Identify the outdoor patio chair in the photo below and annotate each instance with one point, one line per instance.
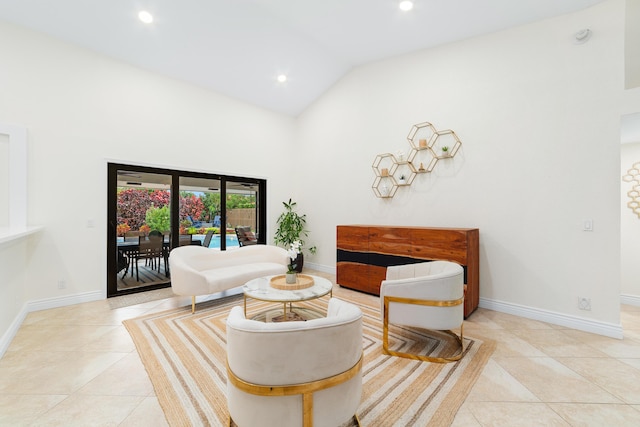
(123, 263)
(207, 239)
(245, 236)
(150, 249)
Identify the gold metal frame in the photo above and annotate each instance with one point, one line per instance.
(429, 303)
(304, 389)
(285, 302)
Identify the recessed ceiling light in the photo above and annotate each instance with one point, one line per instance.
(405, 5)
(282, 78)
(145, 17)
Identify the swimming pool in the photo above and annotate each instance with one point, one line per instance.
(231, 239)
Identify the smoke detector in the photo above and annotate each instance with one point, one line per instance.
(582, 36)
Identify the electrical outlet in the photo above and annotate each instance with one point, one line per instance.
(584, 303)
(62, 284)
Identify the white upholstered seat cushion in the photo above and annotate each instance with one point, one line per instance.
(435, 280)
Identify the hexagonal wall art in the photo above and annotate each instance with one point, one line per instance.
(445, 144)
(633, 176)
(384, 187)
(427, 147)
(404, 174)
(421, 135)
(384, 164)
(423, 159)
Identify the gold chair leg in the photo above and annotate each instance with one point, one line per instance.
(307, 410)
(193, 304)
(385, 337)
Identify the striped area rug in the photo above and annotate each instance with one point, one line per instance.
(184, 355)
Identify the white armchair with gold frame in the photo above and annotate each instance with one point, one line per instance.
(428, 295)
(291, 374)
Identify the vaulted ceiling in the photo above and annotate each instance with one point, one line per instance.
(240, 47)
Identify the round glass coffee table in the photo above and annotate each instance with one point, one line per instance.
(263, 289)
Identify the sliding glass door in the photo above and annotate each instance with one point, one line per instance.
(200, 211)
(140, 232)
(242, 204)
(152, 210)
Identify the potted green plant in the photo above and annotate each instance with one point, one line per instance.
(291, 229)
(445, 151)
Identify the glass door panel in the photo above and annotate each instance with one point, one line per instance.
(200, 212)
(140, 228)
(241, 210)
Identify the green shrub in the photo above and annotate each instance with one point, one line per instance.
(158, 219)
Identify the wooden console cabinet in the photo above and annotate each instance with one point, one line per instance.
(365, 251)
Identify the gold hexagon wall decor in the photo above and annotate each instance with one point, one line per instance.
(421, 135)
(427, 147)
(423, 159)
(384, 164)
(633, 176)
(384, 187)
(445, 144)
(404, 174)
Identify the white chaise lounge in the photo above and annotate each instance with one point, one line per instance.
(196, 270)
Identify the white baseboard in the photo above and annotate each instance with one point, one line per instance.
(574, 322)
(11, 332)
(320, 267)
(580, 323)
(630, 300)
(44, 304)
(55, 302)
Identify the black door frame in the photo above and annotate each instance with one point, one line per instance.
(112, 183)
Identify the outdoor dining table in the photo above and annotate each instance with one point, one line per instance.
(130, 247)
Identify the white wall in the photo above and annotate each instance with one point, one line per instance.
(4, 180)
(538, 117)
(13, 267)
(630, 229)
(539, 120)
(632, 44)
(82, 110)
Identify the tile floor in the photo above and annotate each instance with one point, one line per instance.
(77, 366)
